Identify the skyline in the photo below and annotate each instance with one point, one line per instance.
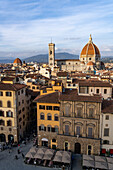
(26, 27)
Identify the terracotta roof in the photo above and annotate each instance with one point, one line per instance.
(12, 87)
(107, 106)
(8, 78)
(72, 96)
(49, 98)
(17, 61)
(94, 83)
(62, 74)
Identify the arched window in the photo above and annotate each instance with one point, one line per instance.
(8, 104)
(42, 117)
(49, 128)
(66, 146)
(9, 123)
(53, 140)
(56, 117)
(0, 103)
(42, 128)
(49, 117)
(2, 122)
(9, 113)
(1, 113)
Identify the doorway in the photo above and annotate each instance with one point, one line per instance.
(77, 148)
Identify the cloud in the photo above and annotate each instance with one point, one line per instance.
(27, 26)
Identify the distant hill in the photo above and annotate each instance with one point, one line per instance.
(6, 60)
(108, 59)
(43, 58)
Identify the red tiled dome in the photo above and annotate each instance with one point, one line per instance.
(17, 61)
(90, 49)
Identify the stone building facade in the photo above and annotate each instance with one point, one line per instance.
(78, 122)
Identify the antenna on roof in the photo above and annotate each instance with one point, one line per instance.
(51, 40)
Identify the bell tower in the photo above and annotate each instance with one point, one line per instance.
(51, 55)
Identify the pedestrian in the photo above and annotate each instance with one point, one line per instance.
(18, 151)
(23, 155)
(16, 157)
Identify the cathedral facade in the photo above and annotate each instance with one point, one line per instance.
(90, 59)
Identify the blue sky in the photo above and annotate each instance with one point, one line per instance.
(26, 26)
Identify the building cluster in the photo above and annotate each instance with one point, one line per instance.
(67, 103)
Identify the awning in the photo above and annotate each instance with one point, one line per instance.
(111, 151)
(45, 139)
(103, 151)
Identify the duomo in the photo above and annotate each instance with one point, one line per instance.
(89, 60)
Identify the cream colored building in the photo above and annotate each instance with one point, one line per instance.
(14, 112)
(106, 132)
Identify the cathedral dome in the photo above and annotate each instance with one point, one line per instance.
(90, 51)
(17, 61)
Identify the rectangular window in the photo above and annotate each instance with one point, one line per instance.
(8, 94)
(97, 90)
(79, 111)
(53, 129)
(91, 112)
(106, 132)
(48, 107)
(90, 134)
(105, 91)
(42, 107)
(1, 93)
(67, 110)
(78, 130)
(49, 129)
(22, 91)
(56, 108)
(84, 90)
(67, 129)
(107, 117)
